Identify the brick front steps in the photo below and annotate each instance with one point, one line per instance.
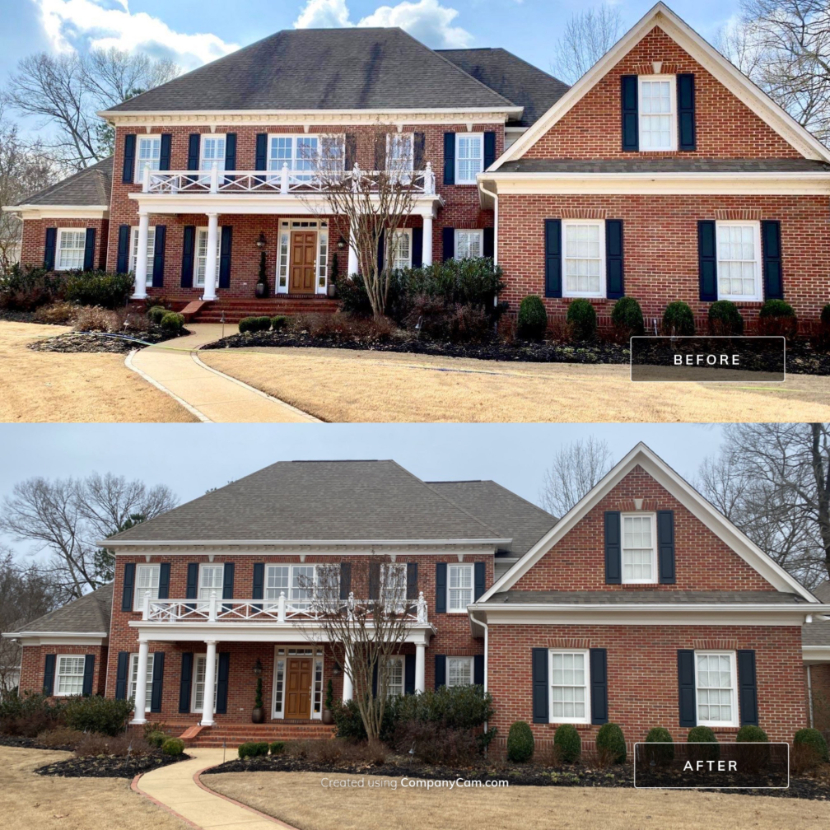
(234, 734)
(235, 309)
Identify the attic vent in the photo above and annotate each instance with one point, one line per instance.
(657, 66)
(638, 504)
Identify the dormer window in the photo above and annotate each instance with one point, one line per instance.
(658, 112)
(639, 549)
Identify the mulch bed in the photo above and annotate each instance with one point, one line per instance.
(109, 766)
(29, 743)
(84, 342)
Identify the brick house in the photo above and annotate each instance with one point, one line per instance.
(816, 649)
(662, 174)
(643, 605)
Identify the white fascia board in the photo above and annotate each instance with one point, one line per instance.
(57, 638)
(708, 57)
(300, 543)
(815, 654)
(701, 509)
(59, 211)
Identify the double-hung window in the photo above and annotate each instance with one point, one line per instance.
(739, 260)
(459, 588)
(469, 244)
(148, 680)
(469, 157)
(399, 155)
(393, 668)
(70, 250)
(69, 675)
(210, 581)
(658, 112)
(297, 582)
(146, 579)
(393, 586)
(147, 154)
(198, 701)
(583, 258)
(148, 253)
(401, 243)
(459, 671)
(212, 152)
(569, 687)
(717, 688)
(201, 255)
(639, 551)
(305, 154)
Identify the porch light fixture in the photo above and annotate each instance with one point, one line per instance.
(257, 668)
(260, 243)
(337, 670)
(341, 243)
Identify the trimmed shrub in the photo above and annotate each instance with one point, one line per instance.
(279, 322)
(278, 748)
(25, 289)
(708, 748)
(725, 319)
(156, 314)
(661, 755)
(814, 739)
(582, 320)
(254, 324)
(156, 739)
(533, 319)
(610, 742)
(172, 321)
(29, 714)
(751, 735)
(567, 744)
(253, 749)
(99, 288)
(97, 714)
(520, 743)
(627, 317)
(173, 747)
(778, 319)
(678, 319)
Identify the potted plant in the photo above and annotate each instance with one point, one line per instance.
(258, 714)
(332, 286)
(262, 283)
(327, 715)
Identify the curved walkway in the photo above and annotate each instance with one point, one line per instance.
(210, 395)
(177, 788)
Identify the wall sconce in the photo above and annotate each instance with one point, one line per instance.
(257, 668)
(341, 244)
(337, 670)
(260, 243)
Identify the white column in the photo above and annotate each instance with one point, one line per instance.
(210, 259)
(420, 668)
(140, 292)
(210, 683)
(353, 265)
(427, 260)
(348, 686)
(140, 714)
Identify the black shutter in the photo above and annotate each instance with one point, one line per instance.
(158, 681)
(409, 674)
(440, 670)
(441, 588)
(164, 151)
(480, 581)
(345, 579)
(128, 170)
(258, 590)
(227, 582)
(686, 112)
(418, 151)
(747, 688)
(599, 685)
(615, 284)
(630, 116)
(49, 249)
(230, 151)
(478, 670)
(192, 586)
(613, 548)
(194, 144)
(122, 260)
(188, 254)
(164, 580)
(380, 151)
(225, 257)
(89, 673)
(222, 683)
(158, 256)
(374, 580)
(350, 151)
(185, 681)
(449, 158)
(417, 247)
(707, 260)
(261, 151)
(89, 250)
(771, 247)
(540, 685)
(687, 696)
(412, 580)
(665, 546)
(489, 243)
(49, 675)
(375, 680)
(489, 149)
(448, 243)
(122, 671)
(382, 252)
(553, 257)
(128, 588)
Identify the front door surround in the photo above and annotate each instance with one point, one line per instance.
(298, 687)
(303, 262)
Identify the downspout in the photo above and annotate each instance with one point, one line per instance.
(495, 196)
(486, 637)
(809, 690)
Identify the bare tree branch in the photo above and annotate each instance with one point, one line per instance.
(574, 472)
(588, 35)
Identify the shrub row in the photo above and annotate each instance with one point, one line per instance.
(25, 289)
(255, 324)
(29, 714)
(259, 749)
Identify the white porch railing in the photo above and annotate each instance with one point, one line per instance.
(284, 181)
(280, 610)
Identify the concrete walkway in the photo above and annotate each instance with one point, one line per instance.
(175, 368)
(176, 788)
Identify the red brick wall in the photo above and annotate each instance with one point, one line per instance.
(34, 238)
(33, 664)
(702, 561)
(820, 683)
(642, 673)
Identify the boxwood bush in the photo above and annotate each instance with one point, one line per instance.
(751, 735)
(279, 322)
(173, 747)
(533, 319)
(278, 748)
(627, 317)
(777, 318)
(725, 319)
(567, 743)
(157, 738)
(678, 320)
(97, 714)
(156, 313)
(582, 320)
(663, 752)
(709, 750)
(99, 288)
(253, 749)
(814, 739)
(610, 742)
(172, 321)
(254, 324)
(520, 743)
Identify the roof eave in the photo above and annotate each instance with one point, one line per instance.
(112, 543)
(510, 111)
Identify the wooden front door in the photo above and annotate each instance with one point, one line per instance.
(298, 688)
(303, 262)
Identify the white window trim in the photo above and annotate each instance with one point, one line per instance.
(138, 598)
(139, 171)
(470, 231)
(458, 137)
(603, 290)
(202, 140)
(149, 254)
(283, 264)
(469, 660)
(317, 690)
(196, 657)
(398, 659)
(57, 681)
(402, 231)
(733, 669)
(196, 282)
(133, 667)
(471, 568)
(672, 79)
(295, 157)
(58, 246)
(758, 296)
(639, 515)
(206, 565)
(390, 137)
(586, 652)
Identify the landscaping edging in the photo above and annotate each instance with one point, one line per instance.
(81, 342)
(110, 766)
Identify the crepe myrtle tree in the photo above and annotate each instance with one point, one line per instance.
(363, 634)
(370, 204)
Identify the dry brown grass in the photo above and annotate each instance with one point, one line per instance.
(299, 799)
(30, 801)
(46, 386)
(344, 386)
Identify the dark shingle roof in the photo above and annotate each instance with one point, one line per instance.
(512, 77)
(90, 613)
(673, 165)
(823, 591)
(89, 187)
(317, 500)
(646, 597)
(817, 633)
(323, 69)
(514, 517)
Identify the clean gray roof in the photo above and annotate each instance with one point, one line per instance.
(325, 69)
(646, 597)
(317, 500)
(672, 165)
(89, 187)
(510, 76)
(514, 517)
(90, 613)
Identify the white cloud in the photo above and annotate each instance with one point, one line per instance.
(426, 20)
(82, 24)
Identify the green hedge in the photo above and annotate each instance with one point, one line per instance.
(660, 754)
(97, 714)
(610, 740)
(703, 735)
(99, 288)
(173, 747)
(582, 319)
(725, 318)
(156, 739)
(813, 738)
(254, 324)
(567, 743)
(751, 735)
(156, 314)
(253, 749)
(627, 317)
(279, 322)
(533, 319)
(678, 320)
(520, 743)
(278, 748)
(172, 321)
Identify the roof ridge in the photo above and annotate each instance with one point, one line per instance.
(512, 55)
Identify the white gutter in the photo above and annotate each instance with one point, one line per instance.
(495, 197)
(486, 655)
(810, 694)
(302, 115)
(114, 542)
(16, 635)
